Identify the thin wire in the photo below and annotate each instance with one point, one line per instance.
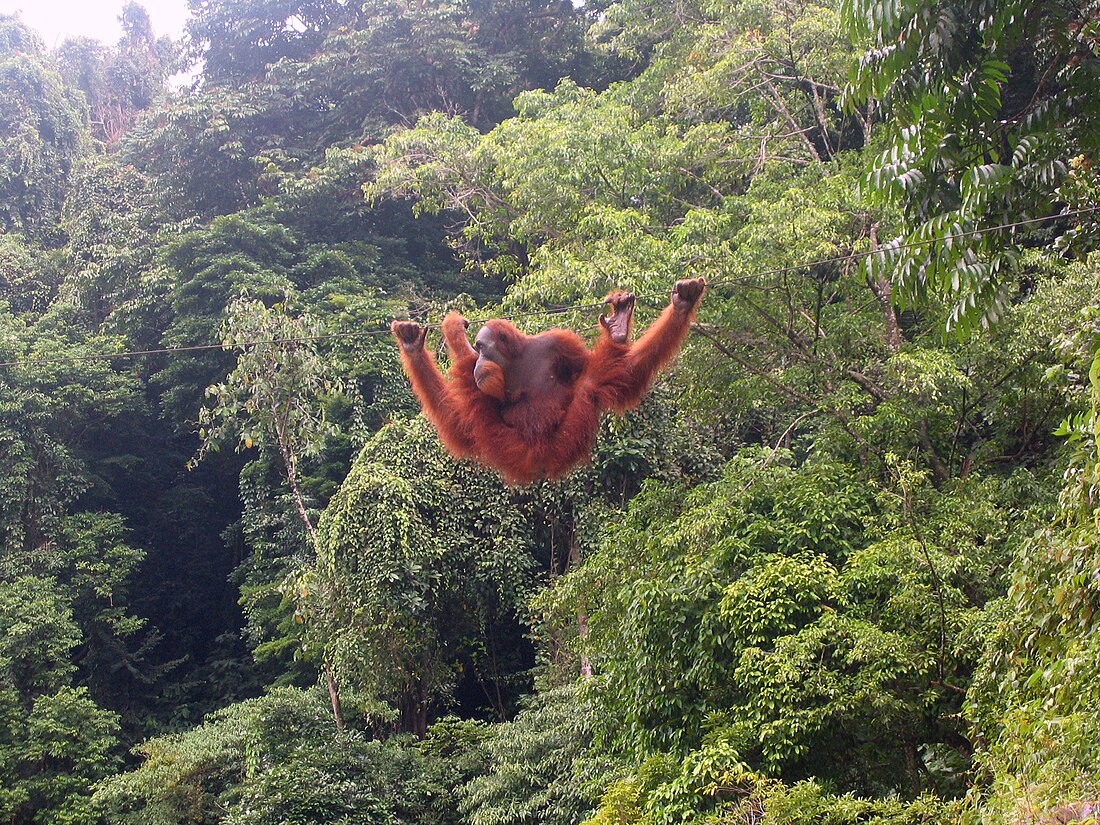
(190, 348)
(549, 310)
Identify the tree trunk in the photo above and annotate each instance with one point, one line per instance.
(286, 450)
(290, 463)
(883, 291)
(334, 695)
(582, 614)
(414, 711)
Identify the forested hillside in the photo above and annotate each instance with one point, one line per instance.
(841, 566)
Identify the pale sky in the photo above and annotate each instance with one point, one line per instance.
(57, 19)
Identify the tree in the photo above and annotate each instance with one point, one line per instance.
(1034, 698)
(29, 275)
(209, 267)
(539, 764)
(112, 274)
(42, 132)
(271, 397)
(286, 82)
(790, 621)
(238, 40)
(993, 122)
(120, 82)
(47, 406)
(55, 742)
(423, 564)
(275, 760)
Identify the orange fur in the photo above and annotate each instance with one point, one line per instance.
(546, 432)
(492, 382)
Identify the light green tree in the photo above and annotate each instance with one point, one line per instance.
(273, 399)
(43, 131)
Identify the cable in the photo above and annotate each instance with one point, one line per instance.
(103, 356)
(549, 310)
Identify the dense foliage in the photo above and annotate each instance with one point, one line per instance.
(841, 565)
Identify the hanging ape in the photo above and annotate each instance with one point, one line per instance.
(529, 405)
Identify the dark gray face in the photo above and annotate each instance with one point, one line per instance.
(486, 346)
(488, 351)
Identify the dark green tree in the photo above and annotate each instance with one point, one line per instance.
(992, 121)
(55, 742)
(277, 760)
(1034, 698)
(423, 565)
(539, 768)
